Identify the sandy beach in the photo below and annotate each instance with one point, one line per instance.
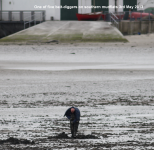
(111, 83)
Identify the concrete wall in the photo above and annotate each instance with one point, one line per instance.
(120, 3)
(141, 2)
(0, 5)
(34, 5)
(55, 12)
(149, 3)
(10, 28)
(30, 5)
(112, 3)
(84, 3)
(145, 3)
(133, 27)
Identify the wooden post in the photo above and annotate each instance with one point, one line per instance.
(115, 6)
(141, 24)
(43, 16)
(21, 16)
(81, 8)
(0, 5)
(32, 15)
(0, 10)
(94, 5)
(10, 15)
(132, 27)
(130, 23)
(120, 26)
(140, 27)
(149, 24)
(152, 26)
(0, 15)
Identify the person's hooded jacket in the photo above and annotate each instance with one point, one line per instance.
(76, 113)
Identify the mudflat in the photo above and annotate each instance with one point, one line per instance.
(111, 83)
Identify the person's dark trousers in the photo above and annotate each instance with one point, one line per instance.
(74, 127)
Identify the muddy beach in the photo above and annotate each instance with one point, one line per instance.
(112, 85)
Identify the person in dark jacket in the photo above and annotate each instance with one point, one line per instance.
(73, 114)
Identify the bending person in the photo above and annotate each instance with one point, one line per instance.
(73, 114)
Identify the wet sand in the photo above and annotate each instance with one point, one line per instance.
(111, 83)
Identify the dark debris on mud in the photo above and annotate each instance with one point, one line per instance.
(90, 100)
(12, 140)
(63, 135)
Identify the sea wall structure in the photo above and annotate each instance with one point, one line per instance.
(61, 9)
(67, 31)
(136, 27)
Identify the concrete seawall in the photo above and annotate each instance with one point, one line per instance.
(10, 27)
(134, 27)
(67, 31)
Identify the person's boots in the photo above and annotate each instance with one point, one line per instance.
(76, 126)
(74, 134)
(75, 129)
